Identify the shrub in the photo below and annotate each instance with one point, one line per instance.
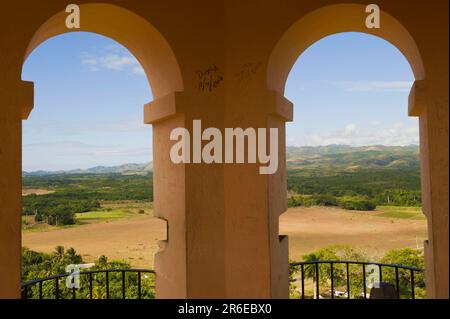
(356, 203)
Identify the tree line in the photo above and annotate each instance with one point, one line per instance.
(365, 188)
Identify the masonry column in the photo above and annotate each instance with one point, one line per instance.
(429, 101)
(256, 255)
(189, 197)
(16, 102)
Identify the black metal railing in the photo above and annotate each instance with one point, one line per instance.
(333, 279)
(337, 279)
(94, 284)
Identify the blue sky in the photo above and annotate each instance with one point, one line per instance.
(89, 94)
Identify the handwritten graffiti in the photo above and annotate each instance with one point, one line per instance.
(248, 70)
(209, 79)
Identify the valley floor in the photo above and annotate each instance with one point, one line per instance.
(135, 238)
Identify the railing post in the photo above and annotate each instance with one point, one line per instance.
(57, 288)
(348, 280)
(381, 273)
(332, 280)
(40, 289)
(25, 292)
(303, 280)
(123, 285)
(139, 285)
(90, 286)
(317, 281)
(397, 283)
(364, 281)
(107, 284)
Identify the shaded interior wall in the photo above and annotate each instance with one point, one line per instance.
(222, 219)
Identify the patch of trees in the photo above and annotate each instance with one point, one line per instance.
(399, 197)
(405, 257)
(394, 187)
(37, 265)
(108, 187)
(348, 202)
(80, 193)
(56, 210)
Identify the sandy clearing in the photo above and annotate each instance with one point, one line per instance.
(133, 239)
(36, 191)
(313, 228)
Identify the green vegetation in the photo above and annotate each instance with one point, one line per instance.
(113, 214)
(405, 257)
(354, 177)
(74, 194)
(401, 212)
(39, 265)
(97, 187)
(347, 202)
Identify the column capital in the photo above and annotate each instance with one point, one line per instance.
(163, 108)
(280, 106)
(417, 99)
(19, 95)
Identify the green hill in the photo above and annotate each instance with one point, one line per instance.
(347, 158)
(351, 177)
(385, 174)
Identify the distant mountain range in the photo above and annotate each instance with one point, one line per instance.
(348, 158)
(126, 169)
(341, 157)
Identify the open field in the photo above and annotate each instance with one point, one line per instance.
(312, 228)
(37, 191)
(401, 212)
(134, 236)
(134, 239)
(110, 211)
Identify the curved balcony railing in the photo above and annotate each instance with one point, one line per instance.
(308, 280)
(336, 279)
(93, 284)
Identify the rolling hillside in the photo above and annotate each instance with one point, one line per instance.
(321, 158)
(347, 158)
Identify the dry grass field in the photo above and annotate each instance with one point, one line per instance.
(37, 191)
(134, 237)
(313, 228)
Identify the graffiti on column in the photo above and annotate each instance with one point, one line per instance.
(245, 73)
(209, 79)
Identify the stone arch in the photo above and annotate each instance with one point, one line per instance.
(340, 18)
(330, 20)
(141, 38)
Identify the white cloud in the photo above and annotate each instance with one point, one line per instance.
(113, 58)
(397, 134)
(373, 86)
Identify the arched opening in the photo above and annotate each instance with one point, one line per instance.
(141, 38)
(94, 102)
(313, 170)
(331, 20)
